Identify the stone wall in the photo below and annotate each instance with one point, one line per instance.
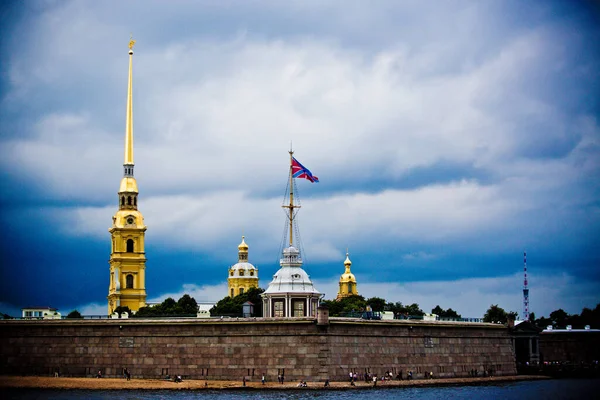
(563, 346)
(231, 348)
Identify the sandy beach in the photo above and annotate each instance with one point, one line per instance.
(156, 384)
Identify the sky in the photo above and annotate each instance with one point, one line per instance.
(448, 136)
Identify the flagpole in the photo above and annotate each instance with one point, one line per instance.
(291, 206)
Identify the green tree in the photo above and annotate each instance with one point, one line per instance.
(559, 318)
(495, 314)
(74, 314)
(233, 306)
(186, 306)
(414, 310)
(449, 313)
(437, 310)
(376, 303)
(346, 305)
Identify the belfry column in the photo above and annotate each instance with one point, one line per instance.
(128, 258)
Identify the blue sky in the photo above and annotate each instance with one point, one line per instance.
(448, 138)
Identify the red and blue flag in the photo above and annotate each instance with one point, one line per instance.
(300, 171)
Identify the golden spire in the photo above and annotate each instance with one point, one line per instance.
(129, 118)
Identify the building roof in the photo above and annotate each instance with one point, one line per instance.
(291, 280)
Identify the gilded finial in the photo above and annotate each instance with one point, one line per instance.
(131, 42)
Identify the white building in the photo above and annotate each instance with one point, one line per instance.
(291, 293)
(40, 313)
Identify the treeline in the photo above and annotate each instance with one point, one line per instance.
(232, 306)
(561, 319)
(357, 304)
(185, 306)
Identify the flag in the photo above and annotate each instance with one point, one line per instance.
(300, 171)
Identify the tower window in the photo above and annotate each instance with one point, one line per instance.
(129, 200)
(232, 293)
(241, 290)
(129, 281)
(251, 273)
(135, 201)
(241, 273)
(130, 245)
(122, 200)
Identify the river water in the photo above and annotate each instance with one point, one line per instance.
(545, 389)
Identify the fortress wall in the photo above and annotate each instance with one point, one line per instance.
(230, 349)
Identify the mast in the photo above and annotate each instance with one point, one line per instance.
(291, 206)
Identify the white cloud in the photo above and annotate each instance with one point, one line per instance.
(216, 105)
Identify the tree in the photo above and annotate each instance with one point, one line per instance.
(414, 310)
(448, 314)
(345, 305)
(232, 306)
(186, 306)
(437, 310)
(495, 314)
(74, 314)
(376, 303)
(559, 318)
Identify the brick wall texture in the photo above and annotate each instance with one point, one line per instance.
(230, 348)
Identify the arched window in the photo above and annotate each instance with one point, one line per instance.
(241, 290)
(241, 272)
(232, 295)
(129, 281)
(130, 245)
(349, 287)
(135, 201)
(122, 200)
(129, 200)
(251, 273)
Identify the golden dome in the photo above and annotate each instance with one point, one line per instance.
(347, 276)
(243, 246)
(347, 262)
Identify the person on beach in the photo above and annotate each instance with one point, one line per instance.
(326, 383)
(244, 381)
(279, 378)
(99, 375)
(374, 380)
(263, 379)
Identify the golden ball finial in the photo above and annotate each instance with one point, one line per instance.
(131, 42)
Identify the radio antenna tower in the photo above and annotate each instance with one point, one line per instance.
(525, 289)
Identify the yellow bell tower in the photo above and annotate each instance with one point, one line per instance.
(347, 281)
(127, 257)
(242, 275)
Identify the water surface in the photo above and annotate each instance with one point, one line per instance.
(542, 389)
